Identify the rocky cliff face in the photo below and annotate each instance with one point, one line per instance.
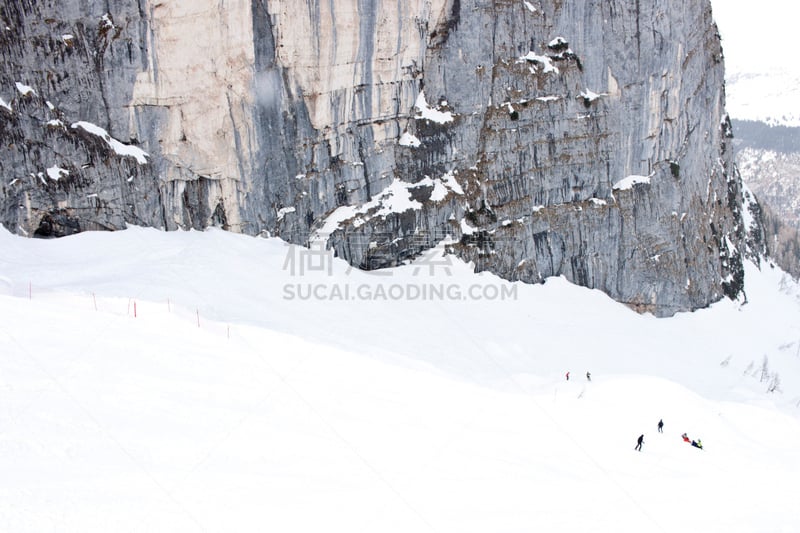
(584, 139)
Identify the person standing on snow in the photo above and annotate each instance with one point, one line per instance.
(661, 426)
(567, 376)
(588, 376)
(639, 443)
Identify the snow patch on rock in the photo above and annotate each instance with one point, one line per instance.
(282, 212)
(629, 182)
(55, 173)
(24, 90)
(118, 147)
(408, 139)
(545, 62)
(430, 113)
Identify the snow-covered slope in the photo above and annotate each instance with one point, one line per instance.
(181, 381)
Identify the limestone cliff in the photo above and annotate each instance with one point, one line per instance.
(586, 139)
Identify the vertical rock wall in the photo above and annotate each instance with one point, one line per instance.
(584, 139)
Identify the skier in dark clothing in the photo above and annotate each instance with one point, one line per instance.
(567, 376)
(639, 443)
(588, 376)
(697, 444)
(661, 426)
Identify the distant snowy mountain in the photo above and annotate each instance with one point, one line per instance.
(770, 97)
(768, 158)
(762, 95)
(775, 178)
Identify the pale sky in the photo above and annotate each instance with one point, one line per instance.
(758, 36)
(762, 72)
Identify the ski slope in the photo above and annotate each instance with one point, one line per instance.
(155, 381)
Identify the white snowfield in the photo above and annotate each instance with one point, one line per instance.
(182, 381)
